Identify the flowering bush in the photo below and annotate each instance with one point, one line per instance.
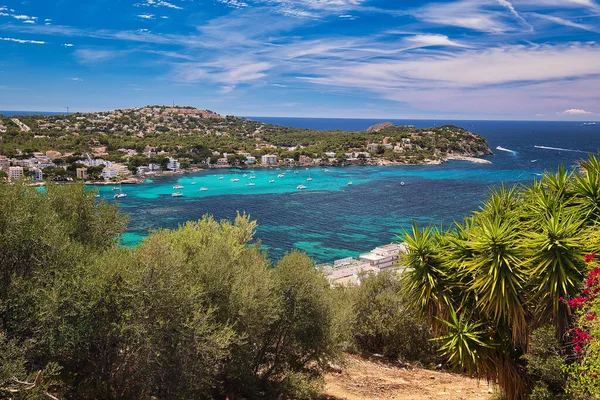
(584, 380)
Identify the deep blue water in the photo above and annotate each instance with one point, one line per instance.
(330, 219)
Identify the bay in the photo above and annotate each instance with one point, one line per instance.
(329, 219)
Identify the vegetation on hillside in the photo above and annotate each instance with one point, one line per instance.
(517, 264)
(510, 294)
(193, 136)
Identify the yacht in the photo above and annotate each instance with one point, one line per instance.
(250, 184)
(120, 195)
(177, 187)
(116, 188)
(245, 175)
(309, 178)
(176, 194)
(220, 177)
(271, 180)
(193, 183)
(234, 180)
(280, 175)
(301, 187)
(296, 172)
(402, 183)
(203, 189)
(252, 177)
(350, 183)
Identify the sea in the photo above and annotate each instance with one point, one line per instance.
(331, 219)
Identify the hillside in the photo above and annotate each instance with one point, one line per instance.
(138, 136)
(364, 379)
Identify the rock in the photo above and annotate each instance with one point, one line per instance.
(379, 127)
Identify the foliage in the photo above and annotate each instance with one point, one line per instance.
(387, 324)
(546, 362)
(513, 266)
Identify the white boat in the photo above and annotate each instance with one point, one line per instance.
(120, 195)
(325, 170)
(245, 175)
(252, 177)
(309, 178)
(295, 172)
(301, 187)
(271, 180)
(193, 183)
(288, 170)
(177, 187)
(220, 177)
(116, 188)
(250, 184)
(280, 175)
(234, 180)
(97, 195)
(203, 189)
(176, 194)
(402, 183)
(350, 183)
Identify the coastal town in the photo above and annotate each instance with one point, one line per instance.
(127, 145)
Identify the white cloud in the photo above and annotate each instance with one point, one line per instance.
(513, 11)
(22, 40)
(67, 45)
(89, 56)
(575, 111)
(77, 79)
(432, 40)
(146, 16)
(158, 3)
(234, 3)
(226, 71)
(475, 15)
(565, 22)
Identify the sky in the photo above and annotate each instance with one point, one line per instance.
(437, 59)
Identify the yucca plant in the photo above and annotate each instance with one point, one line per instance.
(556, 266)
(425, 278)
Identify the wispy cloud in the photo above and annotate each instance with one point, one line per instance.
(22, 40)
(566, 22)
(77, 79)
(146, 16)
(68, 45)
(158, 3)
(89, 56)
(513, 11)
(575, 111)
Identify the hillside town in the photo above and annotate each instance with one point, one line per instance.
(127, 145)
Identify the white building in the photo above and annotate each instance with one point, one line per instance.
(384, 257)
(250, 159)
(38, 175)
(4, 163)
(268, 159)
(110, 172)
(15, 173)
(173, 164)
(347, 270)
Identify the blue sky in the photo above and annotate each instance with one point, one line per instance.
(484, 59)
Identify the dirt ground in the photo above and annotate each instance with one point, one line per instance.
(364, 379)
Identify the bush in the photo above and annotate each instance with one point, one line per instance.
(386, 324)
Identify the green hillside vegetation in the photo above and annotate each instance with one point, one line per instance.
(194, 137)
(510, 295)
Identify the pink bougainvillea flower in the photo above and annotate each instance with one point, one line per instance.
(589, 257)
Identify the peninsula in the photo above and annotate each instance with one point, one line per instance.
(127, 144)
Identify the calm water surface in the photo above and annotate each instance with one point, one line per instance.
(330, 219)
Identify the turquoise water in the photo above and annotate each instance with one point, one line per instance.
(330, 219)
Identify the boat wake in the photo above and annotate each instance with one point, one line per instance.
(507, 150)
(560, 149)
